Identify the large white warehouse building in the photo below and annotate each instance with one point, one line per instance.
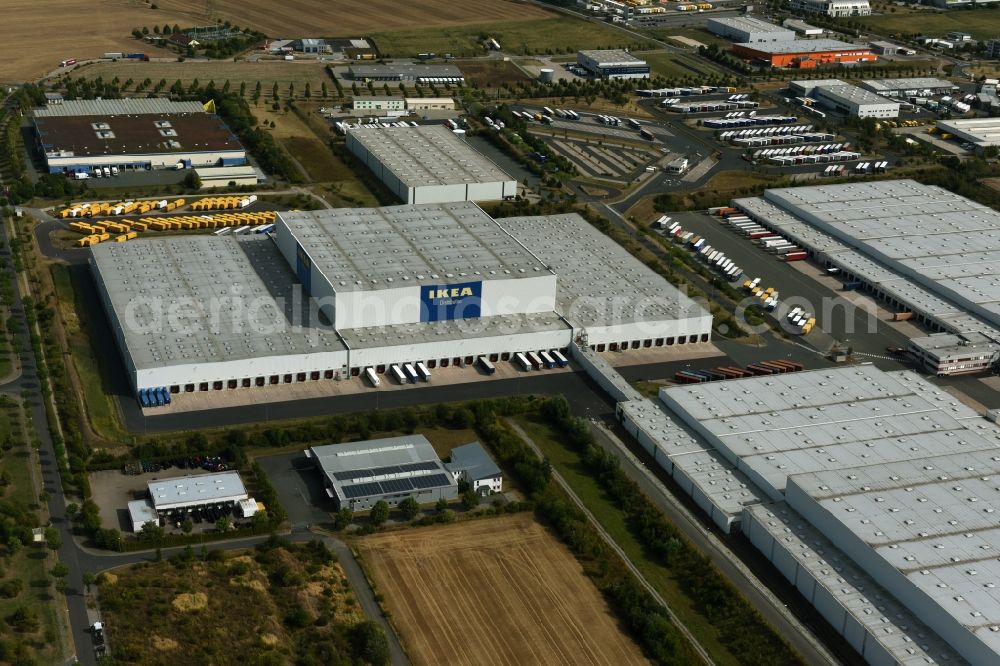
(872, 492)
(429, 164)
(917, 247)
(334, 292)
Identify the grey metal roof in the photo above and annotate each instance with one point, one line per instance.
(980, 131)
(849, 94)
(945, 242)
(599, 282)
(751, 25)
(610, 57)
(777, 426)
(361, 249)
(428, 155)
(933, 521)
(118, 107)
(473, 459)
(147, 279)
(914, 83)
(378, 467)
(194, 490)
(804, 46)
(907, 640)
(406, 70)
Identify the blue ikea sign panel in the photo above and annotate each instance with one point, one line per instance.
(303, 268)
(451, 301)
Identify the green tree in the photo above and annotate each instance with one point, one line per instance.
(343, 518)
(307, 93)
(370, 643)
(470, 499)
(409, 508)
(379, 513)
(191, 181)
(274, 91)
(88, 580)
(52, 538)
(59, 570)
(324, 91)
(442, 505)
(14, 545)
(23, 620)
(223, 524)
(187, 525)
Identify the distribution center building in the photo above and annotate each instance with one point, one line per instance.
(980, 132)
(407, 73)
(909, 87)
(613, 64)
(746, 29)
(918, 248)
(332, 293)
(429, 164)
(871, 492)
(855, 102)
(357, 475)
(805, 54)
(79, 136)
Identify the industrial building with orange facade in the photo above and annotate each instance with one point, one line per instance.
(804, 54)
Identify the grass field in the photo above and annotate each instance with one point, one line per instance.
(284, 605)
(501, 590)
(37, 35)
(267, 72)
(671, 66)
(491, 73)
(568, 464)
(100, 409)
(561, 34)
(981, 23)
(351, 18)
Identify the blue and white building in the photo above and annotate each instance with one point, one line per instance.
(613, 64)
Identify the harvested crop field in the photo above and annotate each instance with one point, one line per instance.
(318, 18)
(37, 35)
(500, 591)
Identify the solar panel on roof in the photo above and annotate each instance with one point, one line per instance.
(430, 481)
(362, 490)
(396, 486)
(418, 466)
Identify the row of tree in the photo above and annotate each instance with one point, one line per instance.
(740, 627)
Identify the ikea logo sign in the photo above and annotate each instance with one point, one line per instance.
(451, 301)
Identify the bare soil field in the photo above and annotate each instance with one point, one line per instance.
(500, 591)
(320, 18)
(268, 72)
(37, 35)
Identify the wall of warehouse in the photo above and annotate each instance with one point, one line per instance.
(197, 374)
(115, 324)
(696, 327)
(894, 581)
(456, 348)
(144, 160)
(816, 593)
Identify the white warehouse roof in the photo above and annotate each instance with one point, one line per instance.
(196, 490)
(144, 281)
(378, 248)
(427, 155)
(612, 57)
(129, 106)
(982, 132)
(942, 241)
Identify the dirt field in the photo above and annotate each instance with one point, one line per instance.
(37, 35)
(318, 18)
(268, 72)
(500, 591)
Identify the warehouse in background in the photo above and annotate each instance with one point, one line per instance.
(613, 64)
(429, 164)
(80, 136)
(357, 475)
(746, 29)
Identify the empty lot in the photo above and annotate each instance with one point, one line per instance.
(499, 591)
